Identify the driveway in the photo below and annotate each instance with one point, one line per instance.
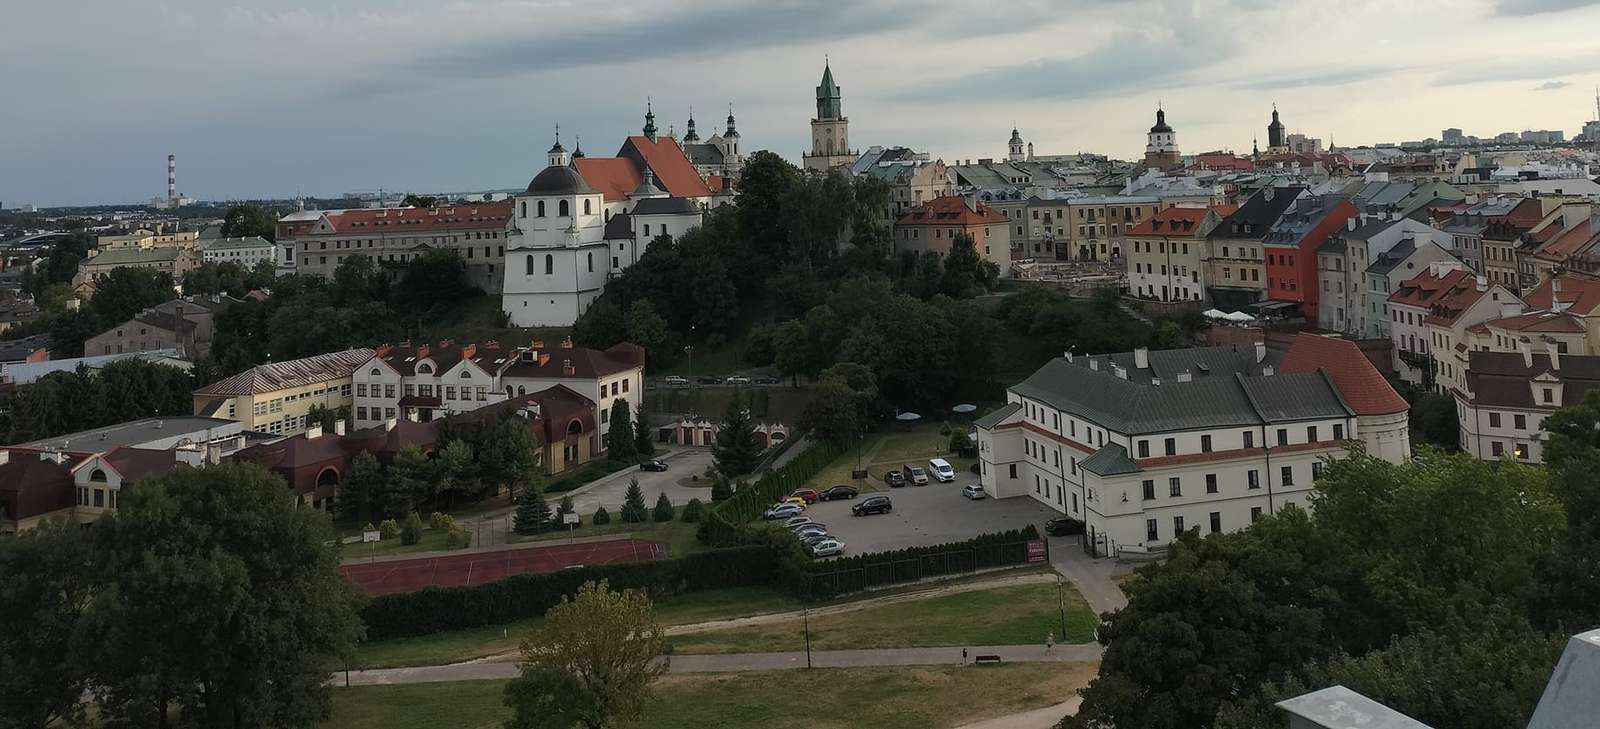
(610, 491)
(925, 515)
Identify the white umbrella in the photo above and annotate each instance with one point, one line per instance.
(1239, 316)
(964, 408)
(1214, 314)
(907, 417)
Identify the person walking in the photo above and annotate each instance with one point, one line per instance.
(1049, 642)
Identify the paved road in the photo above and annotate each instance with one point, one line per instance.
(505, 667)
(1094, 578)
(1044, 718)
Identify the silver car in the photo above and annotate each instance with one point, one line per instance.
(827, 548)
(781, 511)
(973, 491)
(798, 521)
(811, 529)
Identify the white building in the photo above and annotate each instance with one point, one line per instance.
(1507, 396)
(247, 252)
(1142, 446)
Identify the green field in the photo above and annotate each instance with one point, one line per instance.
(1015, 615)
(465, 645)
(903, 697)
(888, 451)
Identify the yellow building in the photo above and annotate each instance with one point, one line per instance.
(277, 398)
(147, 240)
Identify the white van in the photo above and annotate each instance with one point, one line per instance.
(942, 472)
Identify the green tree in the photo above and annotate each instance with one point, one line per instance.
(43, 598)
(791, 350)
(411, 480)
(643, 444)
(411, 529)
(508, 453)
(1434, 417)
(619, 440)
(601, 517)
(413, 200)
(646, 328)
(964, 273)
(328, 418)
(219, 594)
(214, 277)
(432, 280)
(124, 292)
(244, 221)
(693, 512)
(664, 510)
(590, 663)
(737, 451)
(457, 469)
(633, 508)
(533, 513)
(720, 490)
(361, 493)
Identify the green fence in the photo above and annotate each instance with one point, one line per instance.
(824, 580)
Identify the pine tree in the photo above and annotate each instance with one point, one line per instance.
(721, 491)
(737, 451)
(533, 513)
(663, 510)
(643, 444)
(619, 440)
(633, 508)
(693, 511)
(601, 516)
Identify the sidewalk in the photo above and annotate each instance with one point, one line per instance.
(505, 668)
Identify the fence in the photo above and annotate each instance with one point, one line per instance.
(825, 585)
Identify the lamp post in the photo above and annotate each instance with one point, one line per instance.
(689, 350)
(806, 616)
(1062, 608)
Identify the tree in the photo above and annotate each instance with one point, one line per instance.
(737, 452)
(693, 511)
(458, 472)
(965, 275)
(433, 279)
(643, 444)
(619, 440)
(508, 453)
(43, 598)
(411, 529)
(601, 516)
(220, 594)
(646, 328)
(217, 277)
(1434, 417)
(533, 513)
(633, 509)
(328, 418)
(411, 480)
(419, 201)
(590, 663)
(841, 406)
(663, 510)
(244, 221)
(720, 490)
(124, 292)
(361, 494)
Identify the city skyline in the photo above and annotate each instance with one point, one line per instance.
(281, 99)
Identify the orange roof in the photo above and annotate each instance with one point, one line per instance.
(1567, 243)
(950, 210)
(1541, 321)
(444, 217)
(1455, 301)
(1359, 383)
(1426, 289)
(1580, 293)
(614, 176)
(674, 172)
(1172, 221)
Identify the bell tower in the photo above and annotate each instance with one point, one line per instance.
(830, 130)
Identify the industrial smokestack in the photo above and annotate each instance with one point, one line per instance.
(172, 177)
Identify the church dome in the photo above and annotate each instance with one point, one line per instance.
(559, 180)
(1161, 123)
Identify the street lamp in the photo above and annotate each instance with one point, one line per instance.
(806, 616)
(1061, 606)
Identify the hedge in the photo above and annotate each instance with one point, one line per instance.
(437, 609)
(724, 524)
(823, 580)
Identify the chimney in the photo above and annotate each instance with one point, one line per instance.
(1527, 352)
(1554, 351)
(1267, 371)
(422, 351)
(567, 368)
(566, 343)
(493, 344)
(1067, 355)
(1155, 381)
(1186, 376)
(390, 423)
(1482, 283)
(1094, 364)
(338, 427)
(1141, 358)
(1350, 224)
(1261, 351)
(314, 432)
(469, 351)
(1118, 370)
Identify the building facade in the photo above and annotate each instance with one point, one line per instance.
(1166, 253)
(934, 226)
(277, 397)
(393, 237)
(247, 252)
(830, 129)
(1507, 395)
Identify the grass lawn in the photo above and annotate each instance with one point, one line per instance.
(432, 540)
(678, 536)
(1004, 616)
(464, 645)
(894, 448)
(901, 697)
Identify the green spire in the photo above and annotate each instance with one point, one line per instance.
(649, 120)
(828, 106)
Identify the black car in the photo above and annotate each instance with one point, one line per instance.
(872, 505)
(838, 492)
(653, 465)
(766, 381)
(894, 479)
(1062, 526)
(708, 380)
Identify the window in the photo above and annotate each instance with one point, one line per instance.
(449, 392)
(1549, 395)
(563, 209)
(1288, 475)
(1522, 451)
(1216, 522)
(1497, 448)
(541, 208)
(388, 391)
(1172, 446)
(1149, 490)
(1249, 439)
(1013, 470)
(625, 385)
(99, 497)
(1311, 434)
(1253, 478)
(1205, 444)
(361, 390)
(1150, 529)
(1494, 420)
(1338, 431)
(591, 262)
(1144, 449)
(1519, 421)
(1211, 483)
(361, 413)
(1283, 436)
(1177, 525)
(1316, 470)
(1174, 487)
(605, 415)
(549, 264)
(586, 206)
(1255, 514)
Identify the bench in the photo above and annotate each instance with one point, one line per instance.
(981, 660)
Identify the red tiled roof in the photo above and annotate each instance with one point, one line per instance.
(585, 363)
(614, 176)
(1455, 301)
(1359, 383)
(950, 210)
(1172, 221)
(1541, 321)
(1567, 243)
(445, 217)
(1426, 289)
(1580, 293)
(674, 172)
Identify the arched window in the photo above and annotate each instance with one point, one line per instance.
(575, 427)
(530, 273)
(425, 368)
(586, 206)
(549, 264)
(522, 390)
(98, 476)
(591, 262)
(564, 209)
(508, 391)
(540, 207)
(524, 209)
(375, 372)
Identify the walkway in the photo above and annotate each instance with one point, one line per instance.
(504, 667)
(1044, 718)
(1094, 578)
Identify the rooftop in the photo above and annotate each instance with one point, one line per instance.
(950, 210)
(135, 433)
(292, 373)
(1337, 707)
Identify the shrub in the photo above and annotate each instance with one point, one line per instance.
(692, 511)
(456, 537)
(720, 490)
(411, 530)
(601, 516)
(663, 510)
(436, 520)
(388, 529)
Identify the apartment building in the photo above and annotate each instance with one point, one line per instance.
(246, 252)
(147, 240)
(1389, 270)
(1452, 316)
(1291, 247)
(1096, 226)
(392, 237)
(1342, 263)
(1235, 266)
(1502, 238)
(1167, 253)
(277, 397)
(182, 325)
(1563, 238)
(1505, 397)
(174, 261)
(934, 226)
(1143, 446)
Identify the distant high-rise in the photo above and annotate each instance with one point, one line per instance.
(830, 130)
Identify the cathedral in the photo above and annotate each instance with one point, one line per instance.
(1161, 145)
(830, 130)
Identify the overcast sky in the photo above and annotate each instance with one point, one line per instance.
(269, 98)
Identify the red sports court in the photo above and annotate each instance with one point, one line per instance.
(408, 575)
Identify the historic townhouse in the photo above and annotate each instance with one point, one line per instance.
(1342, 263)
(392, 237)
(1502, 238)
(1166, 253)
(1291, 251)
(1235, 265)
(1505, 397)
(1142, 446)
(934, 226)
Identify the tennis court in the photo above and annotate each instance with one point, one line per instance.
(407, 575)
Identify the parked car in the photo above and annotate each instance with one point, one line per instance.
(654, 464)
(1062, 526)
(737, 380)
(782, 511)
(798, 521)
(827, 548)
(839, 492)
(767, 380)
(809, 495)
(675, 380)
(872, 505)
(914, 475)
(708, 380)
(809, 530)
(797, 501)
(973, 491)
(810, 539)
(941, 470)
(894, 479)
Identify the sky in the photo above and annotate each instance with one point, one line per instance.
(273, 98)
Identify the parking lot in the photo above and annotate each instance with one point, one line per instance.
(924, 515)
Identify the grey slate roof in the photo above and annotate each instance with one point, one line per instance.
(1386, 261)
(559, 180)
(703, 154)
(664, 206)
(1110, 460)
(1257, 214)
(999, 414)
(619, 227)
(1572, 697)
(1337, 707)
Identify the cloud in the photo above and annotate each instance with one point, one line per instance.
(1538, 7)
(1318, 79)
(1551, 86)
(1552, 66)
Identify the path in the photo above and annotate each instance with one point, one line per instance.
(1094, 578)
(1044, 718)
(732, 662)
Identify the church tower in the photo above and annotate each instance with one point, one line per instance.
(1161, 145)
(1014, 151)
(1275, 141)
(689, 134)
(649, 121)
(830, 130)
